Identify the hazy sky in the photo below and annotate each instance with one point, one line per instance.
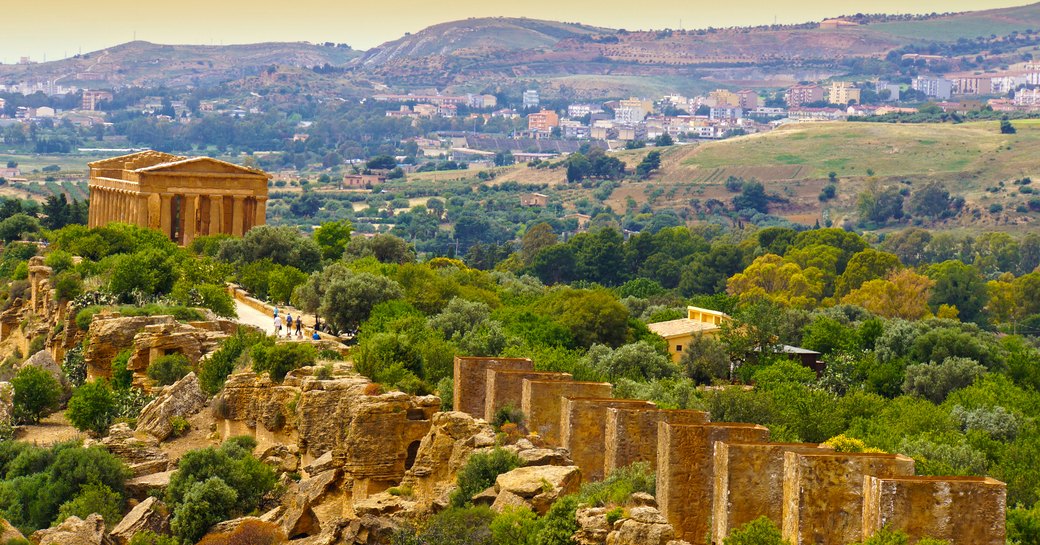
(56, 28)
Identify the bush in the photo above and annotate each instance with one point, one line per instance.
(122, 378)
(74, 367)
(148, 537)
(233, 463)
(214, 370)
(36, 345)
(92, 407)
(454, 526)
(85, 315)
(936, 381)
(279, 359)
(168, 369)
(619, 485)
(205, 504)
(761, 531)
(67, 285)
(93, 498)
(36, 394)
(515, 525)
(480, 472)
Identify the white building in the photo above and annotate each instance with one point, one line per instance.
(531, 99)
(940, 88)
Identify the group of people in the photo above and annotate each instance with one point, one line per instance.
(289, 323)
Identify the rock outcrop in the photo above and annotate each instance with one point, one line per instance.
(536, 487)
(8, 532)
(182, 399)
(75, 531)
(298, 517)
(151, 515)
(45, 361)
(140, 451)
(453, 436)
(643, 525)
(110, 335)
(142, 487)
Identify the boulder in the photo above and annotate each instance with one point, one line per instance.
(110, 335)
(486, 498)
(8, 532)
(142, 487)
(184, 398)
(298, 518)
(541, 486)
(642, 499)
(75, 531)
(507, 500)
(383, 504)
(151, 515)
(368, 530)
(592, 526)
(45, 361)
(643, 526)
(140, 452)
(321, 464)
(452, 438)
(545, 457)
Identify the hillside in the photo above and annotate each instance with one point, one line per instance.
(999, 22)
(147, 64)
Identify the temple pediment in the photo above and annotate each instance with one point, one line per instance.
(200, 165)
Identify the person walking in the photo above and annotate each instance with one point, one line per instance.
(277, 325)
(299, 326)
(288, 324)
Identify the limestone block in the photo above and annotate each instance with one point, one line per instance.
(643, 526)
(509, 500)
(140, 452)
(960, 510)
(75, 531)
(110, 335)
(823, 493)
(142, 487)
(686, 471)
(151, 515)
(442, 452)
(505, 387)
(182, 399)
(471, 380)
(749, 483)
(583, 430)
(298, 518)
(592, 526)
(539, 486)
(631, 433)
(542, 403)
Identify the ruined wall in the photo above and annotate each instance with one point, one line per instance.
(823, 493)
(471, 380)
(583, 431)
(541, 403)
(110, 335)
(686, 472)
(961, 510)
(631, 434)
(506, 387)
(749, 483)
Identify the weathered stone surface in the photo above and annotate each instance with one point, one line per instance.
(141, 487)
(470, 380)
(540, 486)
(140, 452)
(592, 526)
(8, 532)
(643, 526)
(157, 340)
(110, 335)
(229, 526)
(298, 518)
(541, 403)
(6, 404)
(321, 464)
(642, 499)
(823, 493)
(486, 498)
(749, 483)
(453, 436)
(151, 515)
(545, 457)
(505, 387)
(631, 433)
(183, 399)
(509, 500)
(45, 361)
(383, 504)
(685, 472)
(75, 531)
(960, 510)
(368, 530)
(583, 430)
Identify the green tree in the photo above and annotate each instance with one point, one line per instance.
(959, 285)
(592, 316)
(935, 381)
(92, 407)
(332, 238)
(752, 196)
(537, 238)
(867, 265)
(649, 164)
(94, 498)
(205, 504)
(1006, 127)
(166, 370)
(279, 359)
(18, 226)
(36, 394)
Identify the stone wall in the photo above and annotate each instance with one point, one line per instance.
(541, 403)
(823, 493)
(960, 510)
(583, 430)
(506, 388)
(749, 483)
(631, 433)
(471, 380)
(686, 472)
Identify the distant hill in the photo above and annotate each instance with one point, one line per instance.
(147, 64)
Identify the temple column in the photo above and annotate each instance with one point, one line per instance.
(165, 219)
(216, 214)
(238, 209)
(106, 207)
(119, 207)
(191, 203)
(92, 209)
(261, 211)
(141, 202)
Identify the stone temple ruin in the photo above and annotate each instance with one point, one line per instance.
(713, 477)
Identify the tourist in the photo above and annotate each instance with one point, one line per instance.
(277, 325)
(299, 326)
(288, 324)
(315, 336)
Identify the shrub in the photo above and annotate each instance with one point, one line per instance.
(205, 504)
(324, 372)
(168, 369)
(560, 522)
(480, 472)
(179, 425)
(93, 498)
(85, 315)
(454, 526)
(74, 367)
(515, 525)
(36, 345)
(215, 369)
(36, 394)
(279, 359)
(936, 381)
(619, 485)
(233, 463)
(92, 407)
(68, 285)
(509, 414)
(122, 377)
(760, 531)
(147, 537)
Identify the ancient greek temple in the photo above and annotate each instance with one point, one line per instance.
(181, 196)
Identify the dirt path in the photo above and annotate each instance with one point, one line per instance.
(50, 431)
